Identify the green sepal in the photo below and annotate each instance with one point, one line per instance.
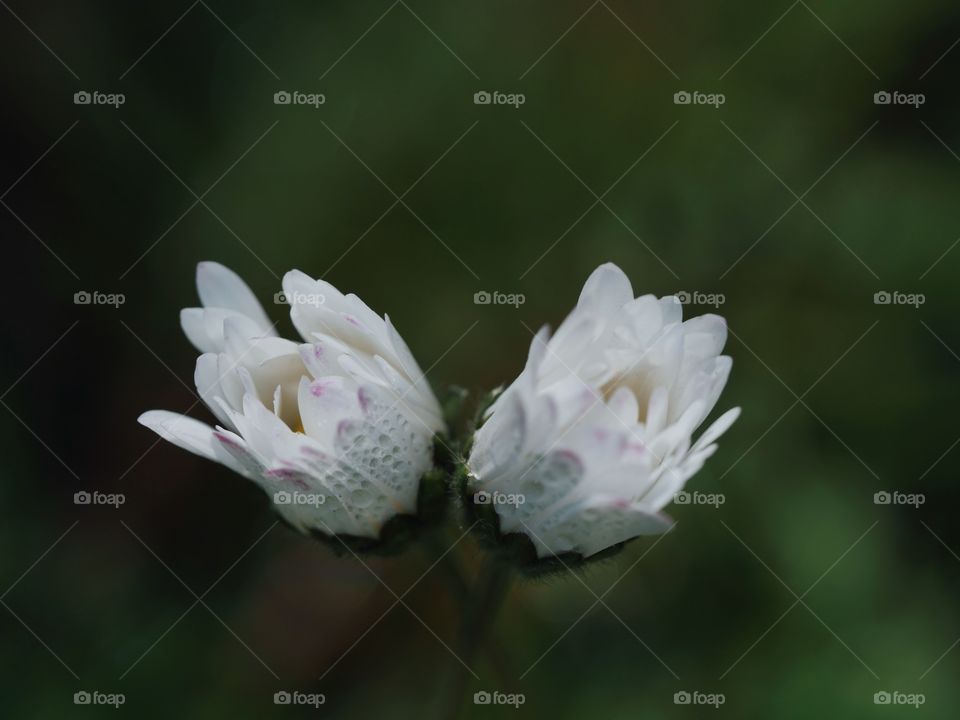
(485, 402)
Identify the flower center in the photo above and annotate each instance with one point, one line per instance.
(635, 382)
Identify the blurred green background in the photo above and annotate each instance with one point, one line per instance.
(799, 596)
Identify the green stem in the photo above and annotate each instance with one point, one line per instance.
(438, 549)
(480, 610)
(455, 578)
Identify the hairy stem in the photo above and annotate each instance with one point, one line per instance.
(480, 609)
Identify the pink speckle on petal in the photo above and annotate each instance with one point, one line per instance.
(344, 427)
(319, 388)
(364, 397)
(290, 475)
(350, 319)
(570, 457)
(227, 440)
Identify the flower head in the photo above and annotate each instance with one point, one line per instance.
(594, 437)
(338, 429)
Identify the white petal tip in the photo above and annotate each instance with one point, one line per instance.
(152, 418)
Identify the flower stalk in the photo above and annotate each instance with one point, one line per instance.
(481, 608)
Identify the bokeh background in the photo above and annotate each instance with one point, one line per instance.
(798, 199)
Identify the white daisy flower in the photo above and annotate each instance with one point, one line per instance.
(594, 438)
(338, 430)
